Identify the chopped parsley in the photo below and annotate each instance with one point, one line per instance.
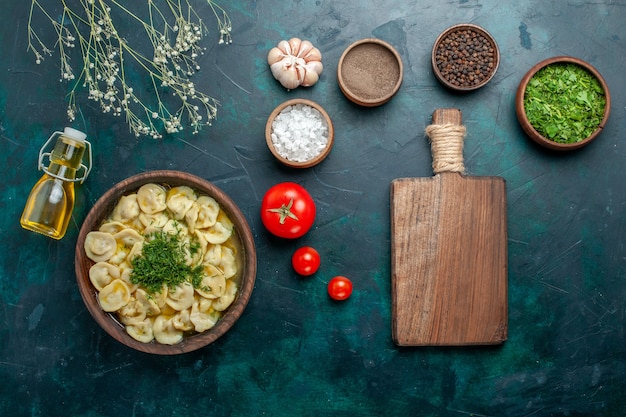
(564, 102)
(163, 262)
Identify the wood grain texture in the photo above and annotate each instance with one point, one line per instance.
(449, 260)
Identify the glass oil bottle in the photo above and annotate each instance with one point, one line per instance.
(49, 206)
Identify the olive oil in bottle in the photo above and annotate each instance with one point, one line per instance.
(49, 206)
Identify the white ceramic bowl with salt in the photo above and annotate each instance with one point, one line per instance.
(299, 133)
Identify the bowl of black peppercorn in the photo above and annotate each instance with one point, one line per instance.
(465, 57)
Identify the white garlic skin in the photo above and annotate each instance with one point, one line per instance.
(295, 63)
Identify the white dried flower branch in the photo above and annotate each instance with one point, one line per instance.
(174, 31)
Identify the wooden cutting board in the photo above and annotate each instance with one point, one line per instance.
(448, 250)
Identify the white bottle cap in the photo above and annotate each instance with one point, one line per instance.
(77, 135)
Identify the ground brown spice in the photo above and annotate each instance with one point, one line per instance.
(370, 71)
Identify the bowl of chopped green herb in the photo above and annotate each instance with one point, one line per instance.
(563, 103)
(165, 262)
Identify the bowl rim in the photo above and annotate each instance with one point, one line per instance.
(105, 204)
(443, 35)
(528, 127)
(369, 102)
(268, 133)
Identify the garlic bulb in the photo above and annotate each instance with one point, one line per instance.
(295, 63)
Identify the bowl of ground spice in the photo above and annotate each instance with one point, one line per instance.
(563, 103)
(299, 133)
(370, 72)
(465, 57)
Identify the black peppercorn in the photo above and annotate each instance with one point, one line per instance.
(465, 57)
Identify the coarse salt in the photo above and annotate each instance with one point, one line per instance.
(299, 133)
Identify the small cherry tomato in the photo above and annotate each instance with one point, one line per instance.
(306, 261)
(339, 288)
(288, 210)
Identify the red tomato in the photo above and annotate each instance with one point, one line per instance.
(306, 261)
(288, 210)
(339, 288)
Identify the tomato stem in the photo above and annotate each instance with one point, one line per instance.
(284, 211)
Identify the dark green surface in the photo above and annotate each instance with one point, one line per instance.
(294, 352)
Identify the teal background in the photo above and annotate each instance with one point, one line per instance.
(294, 352)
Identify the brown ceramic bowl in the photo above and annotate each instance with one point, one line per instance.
(103, 208)
(467, 73)
(370, 72)
(528, 127)
(283, 158)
